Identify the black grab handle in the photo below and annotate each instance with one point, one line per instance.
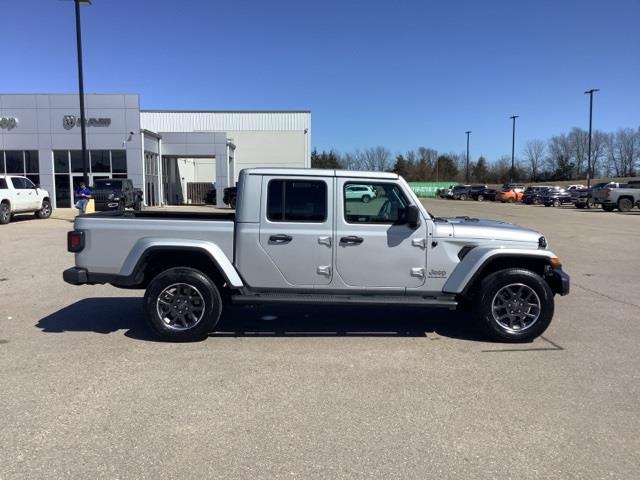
(352, 239)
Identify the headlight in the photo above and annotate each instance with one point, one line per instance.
(542, 242)
(111, 196)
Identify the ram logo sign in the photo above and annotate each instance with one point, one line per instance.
(8, 123)
(70, 121)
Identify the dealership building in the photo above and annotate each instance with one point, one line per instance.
(167, 153)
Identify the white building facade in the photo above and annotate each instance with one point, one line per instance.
(162, 151)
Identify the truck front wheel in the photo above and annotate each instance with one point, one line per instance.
(5, 213)
(514, 305)
(182, 304)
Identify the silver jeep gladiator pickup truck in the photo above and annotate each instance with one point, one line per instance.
(298, 236)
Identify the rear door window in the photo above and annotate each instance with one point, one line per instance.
(297, 201)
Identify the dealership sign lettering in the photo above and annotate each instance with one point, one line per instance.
(8, 123)
(70, 121)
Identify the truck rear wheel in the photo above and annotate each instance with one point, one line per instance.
(625, 204)
(514, 305)
(182, 304)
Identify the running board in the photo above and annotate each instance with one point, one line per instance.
(442, 302)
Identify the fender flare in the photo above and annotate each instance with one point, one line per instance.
(147, 245)
(474, 262)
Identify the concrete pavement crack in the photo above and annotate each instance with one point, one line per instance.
(623, 302)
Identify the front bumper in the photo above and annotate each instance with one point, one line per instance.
(558, 280)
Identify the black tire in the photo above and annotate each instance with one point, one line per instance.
(590, 204)
(480, 198)
(137, 204)
(209, 299)
(556, 203)
(232, 203)
(366, 199)
(121, 206)
(463, 197)
(536, 201)
(45, 210)
(608, 208)
(5, 213)
(625, 204)
(488, 292)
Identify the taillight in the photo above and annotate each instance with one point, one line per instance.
(75, 241)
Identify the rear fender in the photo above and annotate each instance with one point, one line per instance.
(147, 245)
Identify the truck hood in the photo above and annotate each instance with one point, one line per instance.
(479, 228)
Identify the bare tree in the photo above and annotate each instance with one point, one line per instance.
(579, 141)
(534, 151)
(559, 161)
(626, 150)
(376, 158)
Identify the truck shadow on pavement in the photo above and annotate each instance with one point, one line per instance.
(110, 314)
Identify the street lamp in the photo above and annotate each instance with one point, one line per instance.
(83, 133)
(513, 146)
(590, 93)
(467, 169)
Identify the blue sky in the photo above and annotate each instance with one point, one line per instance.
(400, 74)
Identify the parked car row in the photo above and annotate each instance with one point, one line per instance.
(609, 195)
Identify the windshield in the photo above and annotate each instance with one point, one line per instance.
(108, 184)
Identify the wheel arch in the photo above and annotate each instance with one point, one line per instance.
(148, 258)
(479, 263)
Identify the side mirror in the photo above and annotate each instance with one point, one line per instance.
(413, 216)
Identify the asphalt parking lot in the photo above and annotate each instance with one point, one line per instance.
(323, 392)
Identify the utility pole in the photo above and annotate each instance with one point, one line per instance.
(513, 147)
(83, 133)
(467, 170)
(590, 93)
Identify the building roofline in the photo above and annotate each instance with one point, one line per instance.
(144, 110)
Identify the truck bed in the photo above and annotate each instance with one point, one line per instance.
(113, 238)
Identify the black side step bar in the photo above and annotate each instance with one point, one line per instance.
(310, 298)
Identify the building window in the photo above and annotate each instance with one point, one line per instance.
(31, 162)
(100, 162)
(119, 161)
(297, 201)
(76, 160)
(14, 161)
(61, 161)
(63, 190)
(19, 162)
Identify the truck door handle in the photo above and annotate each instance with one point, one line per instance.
(352, 240)
(280, 238)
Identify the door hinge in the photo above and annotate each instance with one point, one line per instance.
(324, 240)
(417, 272)
(324, 270)
(419, 242)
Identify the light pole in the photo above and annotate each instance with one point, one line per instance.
(467, 169)
(590, 93)
(83, 133)
(513, 146)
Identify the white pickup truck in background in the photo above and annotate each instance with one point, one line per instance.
(20, 195)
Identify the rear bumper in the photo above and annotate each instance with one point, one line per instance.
(559, 280)
(75, 276)
(80, 276)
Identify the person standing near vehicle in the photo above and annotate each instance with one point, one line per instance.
(82, 194)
